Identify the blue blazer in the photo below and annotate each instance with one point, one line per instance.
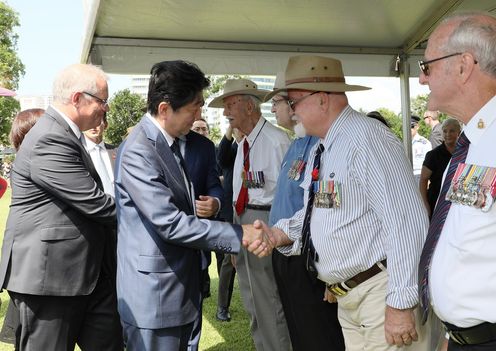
(159, 238)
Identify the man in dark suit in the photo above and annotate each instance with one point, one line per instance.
(54, 241)
(159, 235)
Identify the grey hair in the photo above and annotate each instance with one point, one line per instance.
(256, 102)
(74, 78)
(451, 122)
(435, 114)
(474, 33)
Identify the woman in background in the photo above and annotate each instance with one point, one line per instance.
(21, 125)
(435, 163)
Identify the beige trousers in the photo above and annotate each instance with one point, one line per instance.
(361, 314)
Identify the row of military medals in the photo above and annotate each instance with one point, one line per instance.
(253, 179)
(327, 192)
(473, 186)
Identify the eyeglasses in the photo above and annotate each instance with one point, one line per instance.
(275, 102)
(424, 65)
(292, 103)
(102, 102)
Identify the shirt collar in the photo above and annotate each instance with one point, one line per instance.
(252, 136)
(486, 115)
(169, 139)
(335, 128)
(72, 125)
(90, 145)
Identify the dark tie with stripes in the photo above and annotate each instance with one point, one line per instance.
(307, 245)
(438, 218)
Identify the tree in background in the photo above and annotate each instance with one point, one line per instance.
(418, 105)
(394, 121)
(217, 83)
(125, 111)
(11, 68)
(215, 134)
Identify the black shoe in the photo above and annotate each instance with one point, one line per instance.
(223, 315)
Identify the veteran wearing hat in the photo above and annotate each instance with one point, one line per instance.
(363, 223)
(312, 322)
(256, 168)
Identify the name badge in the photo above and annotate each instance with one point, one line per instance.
(474, 186)
(327, 194)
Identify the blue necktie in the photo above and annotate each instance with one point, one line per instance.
(438, 218)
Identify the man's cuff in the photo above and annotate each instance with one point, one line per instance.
(289, 250)
(402, 298)
(218, 209)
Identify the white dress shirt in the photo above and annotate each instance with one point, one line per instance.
(463, 269)
(99, 154)
(420, 147)
(381, 214)
(268, 145)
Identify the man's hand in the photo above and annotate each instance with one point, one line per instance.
(399, 326)
(255, 240)
(207, 206)
(329, 296)
(276, 236)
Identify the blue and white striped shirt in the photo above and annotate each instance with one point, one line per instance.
(381, 213)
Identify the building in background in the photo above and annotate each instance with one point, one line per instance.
(34, 101)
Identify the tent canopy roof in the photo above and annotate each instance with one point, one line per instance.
(257, 36)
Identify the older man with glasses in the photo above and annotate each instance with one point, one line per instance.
(456, 272)
(363, 225)
(56, 242)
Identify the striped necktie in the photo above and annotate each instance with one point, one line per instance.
(307, 245)
(438, 218)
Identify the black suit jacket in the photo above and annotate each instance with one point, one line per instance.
(59, 216)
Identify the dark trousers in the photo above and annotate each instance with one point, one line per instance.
(58, 323)
(227, 273)
(167, 339)
(313, 323)
(11, 329)
(488, 346)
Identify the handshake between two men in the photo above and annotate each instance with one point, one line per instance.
(260, 239)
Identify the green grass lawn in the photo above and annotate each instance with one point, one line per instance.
(216, 336)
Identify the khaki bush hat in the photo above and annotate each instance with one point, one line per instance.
(238, 87)
(315, 73)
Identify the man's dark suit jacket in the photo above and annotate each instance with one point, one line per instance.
(159, 237)
(201, 163)
(54, 238)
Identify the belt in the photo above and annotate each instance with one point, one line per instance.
(478, 334)
(341, 289)
(256, 207)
